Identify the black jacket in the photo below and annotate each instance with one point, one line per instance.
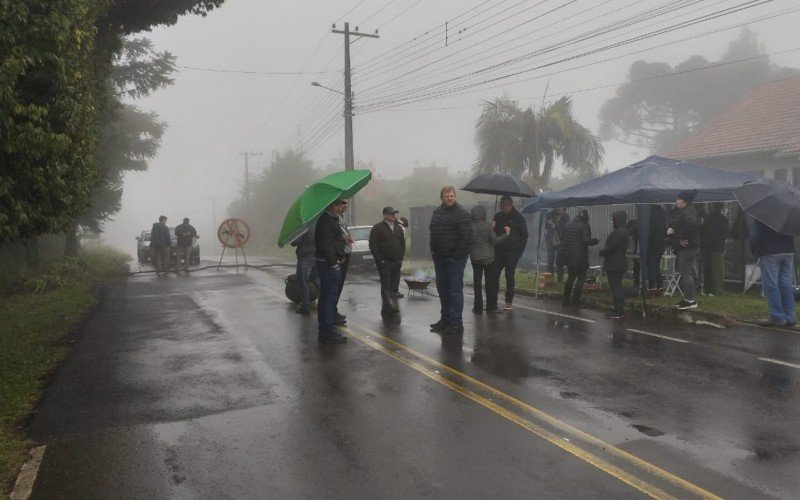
(614, 254)
(686, 228)
(575, 242)
(451, 232)
(516, 241)
(387, 244)
(657, 238)
(766, 241)
(714, 231)
(186, 233)
(159, 236)
(329, 239)
(305, 246)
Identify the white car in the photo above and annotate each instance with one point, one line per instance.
(361, 257)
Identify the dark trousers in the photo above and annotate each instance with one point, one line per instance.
(713, 271)
(576, 277)
(654, 277)
(329, 279)
(389, 272)
(507, 262)
(617, 293)
(344, 265)
(637, 272)
(478, 271)
(552, 254)
(450, 286)
(306, 274)
(687, 266)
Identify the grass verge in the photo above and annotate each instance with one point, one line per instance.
(34, 325)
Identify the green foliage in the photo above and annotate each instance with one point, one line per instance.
(527, 143)
(32, 329)
(657, 113)
(142, 15)
(49, 96)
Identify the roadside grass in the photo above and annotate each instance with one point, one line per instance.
(34, 326)
(735, 305)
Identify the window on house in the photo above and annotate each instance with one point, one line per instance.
(781, 175)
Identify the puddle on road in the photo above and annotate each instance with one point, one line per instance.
(646, 430)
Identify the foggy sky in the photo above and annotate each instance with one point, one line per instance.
(214, 116)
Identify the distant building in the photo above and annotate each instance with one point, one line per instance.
(759, 134)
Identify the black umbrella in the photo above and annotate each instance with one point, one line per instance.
(500, 184)
(776, 204)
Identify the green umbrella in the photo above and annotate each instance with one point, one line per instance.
(309, 205)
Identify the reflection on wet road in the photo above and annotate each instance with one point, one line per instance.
(209, 385)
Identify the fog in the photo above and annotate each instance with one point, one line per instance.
(213, 116)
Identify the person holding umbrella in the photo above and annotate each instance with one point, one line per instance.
(330, 255)
(775, 252)
(507, 253)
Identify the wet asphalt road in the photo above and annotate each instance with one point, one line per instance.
(209, 386)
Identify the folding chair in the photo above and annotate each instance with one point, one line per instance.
(672, 278)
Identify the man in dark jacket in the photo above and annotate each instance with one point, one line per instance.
(160, 241)
(554, 228)
(451, 237)
(329, 242)
(185, 233)
(656, 244)
(775, 252)
(714, 231)
(306, 272)
(685, 234)
(507, 253)
(574, 254)
(615, 261)
(387, 243)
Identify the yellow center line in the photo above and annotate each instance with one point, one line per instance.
(532, 427)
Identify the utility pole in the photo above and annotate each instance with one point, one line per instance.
(349, 162)
(247, 155)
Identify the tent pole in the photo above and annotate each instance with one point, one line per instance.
(538, 257)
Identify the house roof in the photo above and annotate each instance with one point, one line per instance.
(766, 119)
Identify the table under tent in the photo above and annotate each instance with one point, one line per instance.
(652, 181)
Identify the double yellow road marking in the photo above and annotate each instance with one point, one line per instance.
(630, 469)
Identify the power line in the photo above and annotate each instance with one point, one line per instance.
(250, 72)
(432, 94)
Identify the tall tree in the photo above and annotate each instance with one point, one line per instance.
(657, 112)
(527, 143)
(130, 137)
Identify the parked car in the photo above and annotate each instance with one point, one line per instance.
(144, 255)
(361, 258)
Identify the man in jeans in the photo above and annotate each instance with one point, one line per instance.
(329, 252)
(387, 243)
(160, 242)
(306, 269)
(776, 253)
(685, 234)
(451, 237)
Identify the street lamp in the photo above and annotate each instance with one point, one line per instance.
(349, 161)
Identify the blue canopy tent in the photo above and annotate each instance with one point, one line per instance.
(654, 180)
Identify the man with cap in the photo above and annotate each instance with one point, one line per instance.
(186, 233)
(387, 243)
(684, 233)
(160, 241)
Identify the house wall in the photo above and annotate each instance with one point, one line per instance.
(785, 169)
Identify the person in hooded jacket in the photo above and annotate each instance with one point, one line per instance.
(714, 232)
(685, 234)
(481, 253)
(574, 254)
(615, 261)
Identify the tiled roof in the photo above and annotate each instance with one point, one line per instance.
(765, 119)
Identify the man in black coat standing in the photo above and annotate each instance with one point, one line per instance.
(160, 243)
(507, 253)
(615, 261)
(574, 253)
(685, 234)
(387, 243)
(451, 237)
(329, 242)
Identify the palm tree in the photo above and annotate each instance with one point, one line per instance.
(527, 143)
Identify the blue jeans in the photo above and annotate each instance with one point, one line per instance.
(306, 273)
(450, 286)
(328, 293)
(777, 272)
